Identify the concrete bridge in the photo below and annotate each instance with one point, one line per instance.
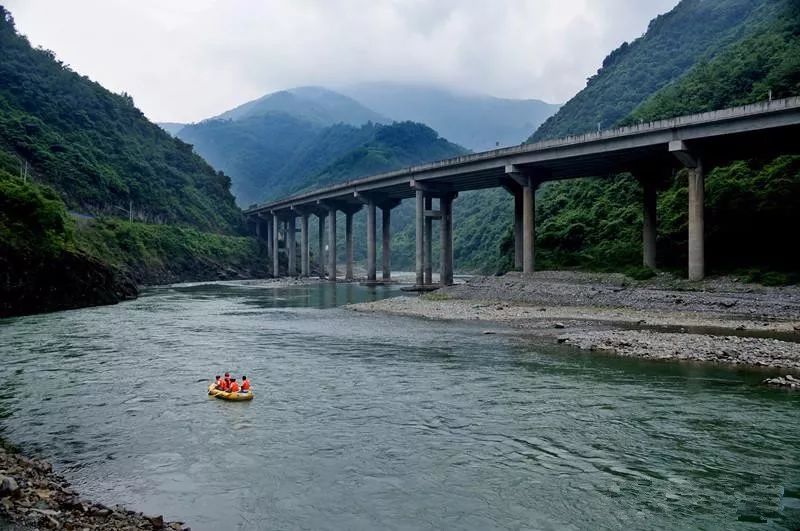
(648, 151)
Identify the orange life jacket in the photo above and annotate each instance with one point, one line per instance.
(222, 384)
(234, 387)
(246, 385)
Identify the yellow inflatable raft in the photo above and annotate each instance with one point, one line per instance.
(224, 395)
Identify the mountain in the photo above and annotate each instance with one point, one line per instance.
(172, 128)
(694, 31)
(316, 105)
(700, 56)
(74, 158)
(273, 154)
(477, 122)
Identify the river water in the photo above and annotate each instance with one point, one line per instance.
(371, 422)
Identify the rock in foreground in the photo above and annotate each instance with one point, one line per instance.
(35, 497)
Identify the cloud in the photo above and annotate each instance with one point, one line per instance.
(185, 60)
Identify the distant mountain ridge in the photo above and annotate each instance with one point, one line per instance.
(478, 122)
(317, 105)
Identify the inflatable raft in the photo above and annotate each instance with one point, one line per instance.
(224, 395)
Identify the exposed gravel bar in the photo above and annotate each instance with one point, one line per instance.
(662, 318)
(32, 496)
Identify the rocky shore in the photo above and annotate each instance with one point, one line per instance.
(32, 496)
(720, 321)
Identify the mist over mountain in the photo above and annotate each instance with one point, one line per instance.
(478, 122)
(317, 105)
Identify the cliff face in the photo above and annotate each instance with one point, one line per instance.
(65, 281)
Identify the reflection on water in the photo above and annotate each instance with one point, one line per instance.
(370, 422)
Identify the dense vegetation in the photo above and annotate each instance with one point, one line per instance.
(595, 223)
(72, 155)
(274, 154)
(694, 31)
(96, 148)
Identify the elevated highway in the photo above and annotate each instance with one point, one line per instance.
(648, 151)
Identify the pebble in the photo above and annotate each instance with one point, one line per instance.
(35, 497)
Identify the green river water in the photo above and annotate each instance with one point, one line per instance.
(373, 422)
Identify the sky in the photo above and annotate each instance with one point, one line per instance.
(186, 60)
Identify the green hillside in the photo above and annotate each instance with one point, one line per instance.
(73, 157)
(96, 148)
(694, 31)
(595, 223)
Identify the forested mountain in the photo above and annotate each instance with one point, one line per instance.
(694, 31)
(317, 105)
(68, 143)
(96, 148)
(476, 121)
(754, 48)
(274, 154)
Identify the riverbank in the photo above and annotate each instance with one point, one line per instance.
(33, 496)
(718, 320)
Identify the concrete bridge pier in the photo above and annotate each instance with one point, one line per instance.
(268, 236)
(275, 237)
(291, 248)
(372, 253)
(321, 249)
(649, 180)
(694, 163)
(528, 184)
(420, 230)
(513, 187)
(386, 233)
(305, 261)
(427, 256)
(446, 226)
(349, 248)
(332, 243)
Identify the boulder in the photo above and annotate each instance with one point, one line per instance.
(9, 488)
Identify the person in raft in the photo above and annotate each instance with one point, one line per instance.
(234, 387)
(221, 383)
(245, 384)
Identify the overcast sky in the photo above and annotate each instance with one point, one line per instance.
(185, 60)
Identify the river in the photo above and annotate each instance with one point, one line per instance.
(370, 422)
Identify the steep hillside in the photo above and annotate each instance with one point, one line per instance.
(594, 223)
(477, 122)
(313, 104)
(390, 147)
(66, 144)
(694, 31)
(96, 148)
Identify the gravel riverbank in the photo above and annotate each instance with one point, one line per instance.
(720, 321)
(32, 496)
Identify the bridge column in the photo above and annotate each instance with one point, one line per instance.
(291, 250)
(386, 251)
(694, 163)
(427, 256)
(371, 244)
(348, 238)
(267, 233)
(275, 254)
(420, 230)
(321, 250)
(529, 225)
(305, 262)
(649, 222)
(446, 259)
(518, 230)
(332, 244)
(697, 262)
